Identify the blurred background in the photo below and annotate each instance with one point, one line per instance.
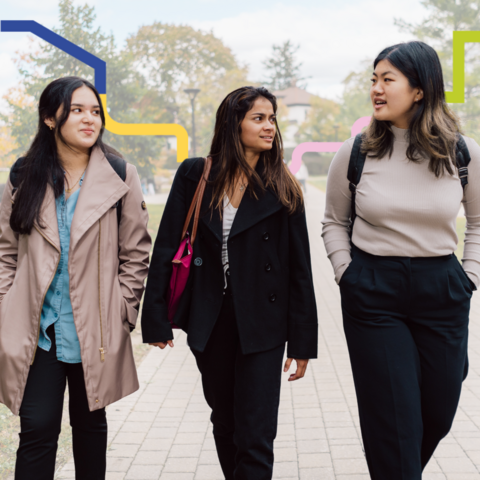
(315, 56)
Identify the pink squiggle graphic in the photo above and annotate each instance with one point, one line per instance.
(323, 146)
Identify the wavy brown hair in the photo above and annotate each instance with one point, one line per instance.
(434, 127)
(228, 155)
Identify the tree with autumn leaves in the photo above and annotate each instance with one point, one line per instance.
(145, 81)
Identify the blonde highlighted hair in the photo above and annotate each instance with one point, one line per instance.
(434, 128)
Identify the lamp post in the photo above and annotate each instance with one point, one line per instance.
(173, 109)
(192, 93)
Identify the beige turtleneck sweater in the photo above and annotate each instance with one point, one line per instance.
(402, 209)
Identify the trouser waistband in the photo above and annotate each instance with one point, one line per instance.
(387, 260)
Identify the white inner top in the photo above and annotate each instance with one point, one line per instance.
(229, 212)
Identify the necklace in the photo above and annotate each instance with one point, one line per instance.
(68, 190)
(243, 186)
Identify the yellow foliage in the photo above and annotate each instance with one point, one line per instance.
(7, 144)
(17, 97)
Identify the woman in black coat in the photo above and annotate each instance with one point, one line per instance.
(250, 287)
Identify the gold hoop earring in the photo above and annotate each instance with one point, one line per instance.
(51, 128)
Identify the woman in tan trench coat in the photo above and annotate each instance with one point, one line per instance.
(70, 285)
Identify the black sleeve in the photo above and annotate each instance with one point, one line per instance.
(302, 310)
(155, 324)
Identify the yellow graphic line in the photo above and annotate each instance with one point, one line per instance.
(459, 40)
(169, 129)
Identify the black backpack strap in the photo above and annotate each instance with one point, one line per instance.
(14, 174)
(120, 167)
(462, 159)
(355, 169)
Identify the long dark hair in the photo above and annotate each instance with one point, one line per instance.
(228, 155)
(434, 127)
(41, 164)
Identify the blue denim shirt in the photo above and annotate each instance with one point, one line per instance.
(57, 307)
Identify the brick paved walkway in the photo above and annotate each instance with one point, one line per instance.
(163, 431)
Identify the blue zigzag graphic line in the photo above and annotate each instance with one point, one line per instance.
(98, 65)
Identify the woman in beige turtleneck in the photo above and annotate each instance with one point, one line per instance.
(405, 297)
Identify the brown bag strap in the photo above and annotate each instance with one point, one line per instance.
(197, 202)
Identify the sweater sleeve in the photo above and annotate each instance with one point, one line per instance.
(336, 222)
(471, 203)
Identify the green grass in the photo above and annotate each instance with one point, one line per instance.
(155, 213)
(319, 182)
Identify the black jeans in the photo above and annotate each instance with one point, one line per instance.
(41, 416)
(406, 324)
(243, 392)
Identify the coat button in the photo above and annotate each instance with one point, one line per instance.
(273, 297)
(268, 267)
(266, 236)
(198, 262)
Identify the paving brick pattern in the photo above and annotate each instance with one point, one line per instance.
(163, 430)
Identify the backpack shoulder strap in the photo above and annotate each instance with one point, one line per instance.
(120, 167)
(118, 164)
(14, 174)
(355, 169)
(462, 159)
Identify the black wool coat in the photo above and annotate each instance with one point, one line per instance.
(270, 272)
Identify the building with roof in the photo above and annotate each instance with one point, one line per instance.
(298, 101)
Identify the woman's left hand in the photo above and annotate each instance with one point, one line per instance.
(301, 368)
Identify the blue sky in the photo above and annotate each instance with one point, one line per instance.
(335, 36)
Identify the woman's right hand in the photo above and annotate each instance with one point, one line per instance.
(162, 345)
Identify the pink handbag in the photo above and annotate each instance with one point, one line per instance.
(183, 258)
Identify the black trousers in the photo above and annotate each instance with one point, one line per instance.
(243, 392)
(41, 417)
(406, 324)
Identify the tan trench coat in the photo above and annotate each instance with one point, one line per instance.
(107, 268)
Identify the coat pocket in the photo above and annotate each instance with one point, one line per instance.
(123, 309)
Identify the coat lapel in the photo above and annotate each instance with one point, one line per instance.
(251, 210)
(48, 216)
(211, 218)
(101, 189)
